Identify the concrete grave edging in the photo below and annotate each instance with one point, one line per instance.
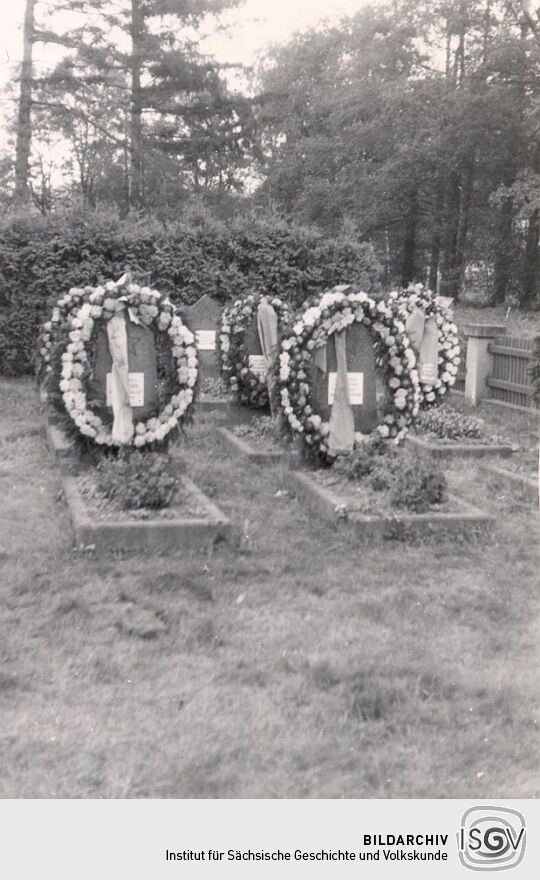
(513, 481)
(331, 508)
(456, 450)
(182, 533)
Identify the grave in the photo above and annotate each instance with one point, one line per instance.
(203, 319)
(361, 377)
(143, 376)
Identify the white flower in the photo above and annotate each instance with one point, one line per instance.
(298, 327)
(384, 430)
(139, 440)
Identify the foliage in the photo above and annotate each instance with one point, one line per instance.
(416, 123)
(134, 480)
(42, 258)
(449, 424)
(412, 481)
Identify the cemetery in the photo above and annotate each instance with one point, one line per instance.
(270, 389)
(192, 470)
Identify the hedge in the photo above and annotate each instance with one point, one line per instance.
(42, 257)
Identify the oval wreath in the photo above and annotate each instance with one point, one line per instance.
(404, 302)
(51, 331)
(151, 309)
(248, 387)
(336, 310)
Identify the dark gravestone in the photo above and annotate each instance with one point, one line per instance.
(143, 377)
(203, 319)
(256, 359)
(361, 378)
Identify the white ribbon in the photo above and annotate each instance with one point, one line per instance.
(122, 430)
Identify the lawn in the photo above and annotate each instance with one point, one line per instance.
(297, 663)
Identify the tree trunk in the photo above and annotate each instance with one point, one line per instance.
(408, 260)
(24, 128)
(503, 254)
(135, 182)
(448, 282)
(531, 281)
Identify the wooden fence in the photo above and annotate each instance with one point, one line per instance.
(509, 381)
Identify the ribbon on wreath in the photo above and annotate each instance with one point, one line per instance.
(267, 326)
(424, 339)
(122, 429)
(341, 435)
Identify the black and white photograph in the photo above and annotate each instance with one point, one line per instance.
(269, 402)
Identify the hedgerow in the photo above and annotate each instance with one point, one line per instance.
(42, 257)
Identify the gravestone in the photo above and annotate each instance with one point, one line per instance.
(361, 379)
(143, 377)
(203, 319)
(256, 359)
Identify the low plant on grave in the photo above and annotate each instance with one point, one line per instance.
(450, 424)
(135, 480)
(264, 428)
(412, 482)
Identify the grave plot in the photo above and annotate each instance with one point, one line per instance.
(248, 345)
(349, 391)
(123, 378)
(259, 441)
(428, 321)
(445, 432)
(203, 319)
(520, 481)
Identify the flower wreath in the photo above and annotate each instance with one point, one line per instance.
(248, 386)
(151, 309)
(404, 302)
(336, 310)
(51, 331)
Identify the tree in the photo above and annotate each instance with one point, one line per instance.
(24, 127)
(145, 53)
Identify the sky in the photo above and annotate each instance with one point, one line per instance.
(252, 26)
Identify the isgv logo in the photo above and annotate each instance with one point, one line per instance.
(491, 838)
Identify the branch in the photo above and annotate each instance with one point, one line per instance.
(121, 142)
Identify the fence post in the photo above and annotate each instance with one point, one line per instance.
(479, 359)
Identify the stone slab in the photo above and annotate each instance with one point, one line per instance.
(203, 319)
(183, 533)
(360, 360)
(141, 359)
(330, 507)
(457, 450)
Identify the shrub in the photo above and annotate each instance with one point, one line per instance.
(417, 484)
(42, 257)
(449, 424)
(137, 479)
(413, 482)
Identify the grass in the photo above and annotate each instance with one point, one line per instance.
(518, 322)
(294, 664)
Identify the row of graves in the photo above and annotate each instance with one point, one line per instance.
(347, 395)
